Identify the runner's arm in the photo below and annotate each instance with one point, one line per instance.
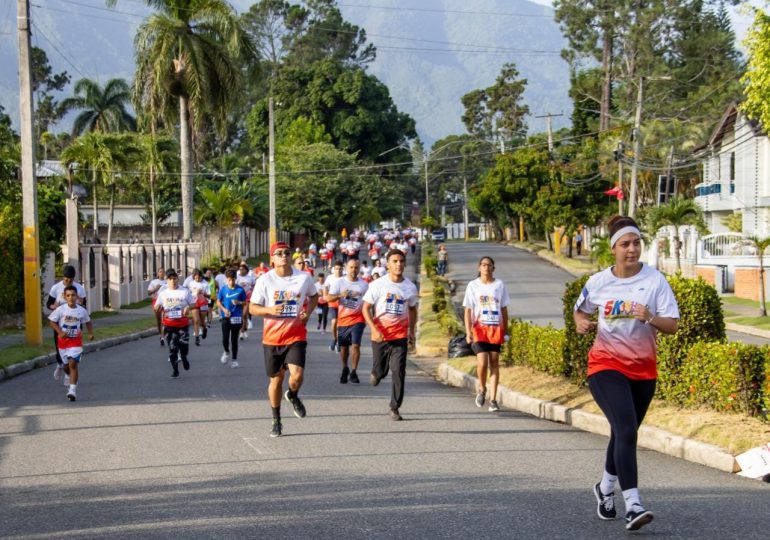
(90, 328)
(468, 318)
(412, 323)
(367, 312)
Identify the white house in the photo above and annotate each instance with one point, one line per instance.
(736, 174)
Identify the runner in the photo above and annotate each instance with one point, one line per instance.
(246, 280)
(279, 297)
(230, 300)
(486, 323)
(349, 292)
(312, 254)
(634, 302)
(323, 305)
(199, 290)
(176, 303)
(208, 276)
(56, 299)
(67, 321)
(333, 306)
(155, 286)
(390, 311)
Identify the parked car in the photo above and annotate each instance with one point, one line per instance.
(438, 236)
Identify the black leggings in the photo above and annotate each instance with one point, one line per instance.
(323, 316)
(230, 337)
(624, 402)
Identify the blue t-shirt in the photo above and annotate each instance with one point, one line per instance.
(226, 296)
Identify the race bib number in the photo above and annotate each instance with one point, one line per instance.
(236, 320)
(396, 307)
(289, 310)
(490, 318)
(71, 331)
(174, 313)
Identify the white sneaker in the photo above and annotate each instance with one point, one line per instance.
(66, 380)
(249, 326)
(235, 364)
(244, 335)
(72, 394)
(58, 373)
(225, 357)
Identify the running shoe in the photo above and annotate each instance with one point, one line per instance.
(235, 364)
(225, 357)
(395, 416)
(204, 332)
(249, 326)
(244, 335)
(333, 345)
(337, 347)
(373, 380)
(66, 380)
(277, 427)
(58, 373)
(240, 336)
(185, 363)
(605, 504)
(493, 406)
(318, 327)
(71, 394)
(299, 408)
(637, 517)
(354, 377)
(344, 375)
(175, 368)
(480, 398)
(197, 340)
(162, 342)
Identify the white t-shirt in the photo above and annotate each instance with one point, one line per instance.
(391, 302)
(289, 292)
(173, 303)
(624, 343)
(221, 280)
(198, 289)
(247, 282)
(351, 295)
(57, 293)
(155, 287)
(486, 301)
(69, 321)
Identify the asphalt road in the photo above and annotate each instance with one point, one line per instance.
(140, 455)
(535, 286)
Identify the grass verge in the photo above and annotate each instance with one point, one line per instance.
(19, 353)
(138, 305)
(763, 323)
(431, 333)
(732, 432)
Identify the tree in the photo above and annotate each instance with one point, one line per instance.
(221, 207)
(102, 109)
(188, 52)
(760, 245)
(497, 108)
(757, 77)
(45, 83)
(677, 213)
(156, 158)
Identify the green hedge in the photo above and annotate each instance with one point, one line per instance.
(576, 346)
(12, 269)
(535, 346)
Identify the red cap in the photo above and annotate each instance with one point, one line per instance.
(277, 246)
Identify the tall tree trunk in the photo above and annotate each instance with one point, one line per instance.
(762, 303)
(153, 209)
(96, 209)
(186, 169)
(604, 107)
(677, 250)
(112, 213)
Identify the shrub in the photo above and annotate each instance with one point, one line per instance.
(535, 346)
(575, 347)
(700, 320)
(724, 376)
(12, 269)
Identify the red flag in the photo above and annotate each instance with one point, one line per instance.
(617, 192)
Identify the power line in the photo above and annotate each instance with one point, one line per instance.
(462, 12)
(58, 50)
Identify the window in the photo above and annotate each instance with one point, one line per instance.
(710, 189)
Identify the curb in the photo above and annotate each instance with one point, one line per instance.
(649, 437)
(47, 359)
(750, 330)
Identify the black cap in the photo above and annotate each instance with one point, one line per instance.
(68, 271)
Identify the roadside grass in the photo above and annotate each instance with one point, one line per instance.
(763, 323)
(96, 315)
(138, 305)
(20, 353)
(432, 336)
(733, 432)
(732, 300)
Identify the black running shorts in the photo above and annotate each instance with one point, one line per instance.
(277, 357)
(483, 346)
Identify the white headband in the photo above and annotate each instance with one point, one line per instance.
(624, 231)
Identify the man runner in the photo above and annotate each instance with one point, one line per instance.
(390, 311)
(279, 296)
(176, 303)
(349, 291)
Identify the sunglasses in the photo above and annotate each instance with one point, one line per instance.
(282, 253)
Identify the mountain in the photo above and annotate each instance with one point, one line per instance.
(430, 53)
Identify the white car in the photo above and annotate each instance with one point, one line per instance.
(438, 236)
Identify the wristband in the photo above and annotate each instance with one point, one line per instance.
(649, 321)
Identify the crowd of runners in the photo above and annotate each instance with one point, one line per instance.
(634, 302)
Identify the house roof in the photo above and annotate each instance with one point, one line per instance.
(727, 124)
(47, 168)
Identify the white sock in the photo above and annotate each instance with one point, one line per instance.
(631, 497)
(607, 485)
(73, 387)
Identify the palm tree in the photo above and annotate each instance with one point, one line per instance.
(103, 110)
(156, 156)
(601, 252)
(221, 207)
(187, 51)
(760, 245)
(677, 213)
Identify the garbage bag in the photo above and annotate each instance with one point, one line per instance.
(459, 347)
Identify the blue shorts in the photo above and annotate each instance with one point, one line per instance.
(333, 312)
(350, 335)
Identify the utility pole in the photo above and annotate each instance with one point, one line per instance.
(271, 173)
(427, 201)
(637, 149)
(669, 164)
(33, 319)
(465, 207)
(549, 127)
(619, 155)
